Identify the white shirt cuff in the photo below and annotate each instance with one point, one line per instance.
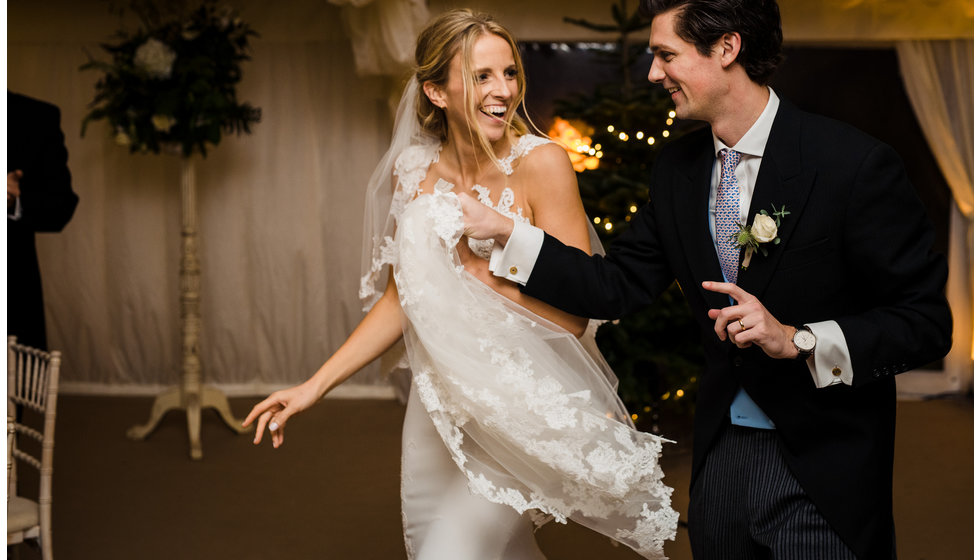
(17, 213)
(831, 361)
(516, 260)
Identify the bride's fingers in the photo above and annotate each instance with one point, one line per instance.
(260, 427)
(258, 409)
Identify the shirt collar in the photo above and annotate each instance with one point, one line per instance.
(753, 142)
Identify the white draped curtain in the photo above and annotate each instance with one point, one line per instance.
(938, 77)
(382, 33)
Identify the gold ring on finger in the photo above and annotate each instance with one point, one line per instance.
(741, 324)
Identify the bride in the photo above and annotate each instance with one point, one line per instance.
(512, 420)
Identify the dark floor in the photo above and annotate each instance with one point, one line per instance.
(332, 491)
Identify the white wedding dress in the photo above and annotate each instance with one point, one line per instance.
(511, 422)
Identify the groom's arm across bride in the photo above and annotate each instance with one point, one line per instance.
(795, 420)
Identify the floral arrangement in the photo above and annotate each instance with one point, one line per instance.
(171, 84)
(764, 230)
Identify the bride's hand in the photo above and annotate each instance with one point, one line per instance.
(470, 261)
(277, 408)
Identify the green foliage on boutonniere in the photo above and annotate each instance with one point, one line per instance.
(171, 84)
(764, 230)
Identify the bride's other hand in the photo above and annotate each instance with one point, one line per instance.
(471, 261)
(277, 408)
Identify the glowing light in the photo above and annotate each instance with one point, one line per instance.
(665, 396)
(598, 147)
(680, 392)
(632, 208)
(623, 136)
(671, 114)
(591, 151)
(611, 128)
(651, 140)
(634, 417)
(647, 409)
(576, 141)
(598, 154)
(639, 135)
(666, 133)
(596, 220)
(670, 122)
(608, 226)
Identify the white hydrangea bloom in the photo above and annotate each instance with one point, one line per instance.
(155, 58)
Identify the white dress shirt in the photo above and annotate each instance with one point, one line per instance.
(831, 361)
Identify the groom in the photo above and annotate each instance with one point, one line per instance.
(795, 423)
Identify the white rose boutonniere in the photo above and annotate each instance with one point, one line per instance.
(764, 230)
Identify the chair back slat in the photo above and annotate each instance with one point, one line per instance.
(32, 382)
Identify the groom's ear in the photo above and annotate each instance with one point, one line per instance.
(729, 46)
(435, 94)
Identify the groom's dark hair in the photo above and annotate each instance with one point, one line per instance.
(703, 22)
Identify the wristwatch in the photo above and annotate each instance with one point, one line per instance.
(805, 342)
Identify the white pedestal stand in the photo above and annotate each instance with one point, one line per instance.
(192, 395)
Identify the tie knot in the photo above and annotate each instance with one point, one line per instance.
(731, 156)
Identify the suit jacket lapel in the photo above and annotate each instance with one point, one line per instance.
(782, 181)
(693, 181)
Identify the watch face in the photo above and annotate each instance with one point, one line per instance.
(804, 340)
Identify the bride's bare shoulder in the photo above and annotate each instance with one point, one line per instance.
(547, 167)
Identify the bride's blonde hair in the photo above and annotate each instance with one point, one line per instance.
(456, 31)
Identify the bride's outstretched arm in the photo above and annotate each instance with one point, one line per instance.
(378, 331)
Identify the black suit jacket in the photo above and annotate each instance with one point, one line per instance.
(36, 146)
(855, 249)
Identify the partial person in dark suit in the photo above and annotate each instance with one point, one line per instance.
(795, 420)
(39, 198)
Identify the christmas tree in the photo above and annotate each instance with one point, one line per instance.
(614, 134)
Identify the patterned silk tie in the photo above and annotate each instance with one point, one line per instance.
(743, 410)
(727, 219)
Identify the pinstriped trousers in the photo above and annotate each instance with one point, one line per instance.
(747, 505)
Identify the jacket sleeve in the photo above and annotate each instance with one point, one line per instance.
(632, 274)
(889, 249)
(47, 199)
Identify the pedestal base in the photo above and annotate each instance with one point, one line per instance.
(191, 402)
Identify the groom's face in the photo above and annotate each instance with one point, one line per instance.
(694, 81)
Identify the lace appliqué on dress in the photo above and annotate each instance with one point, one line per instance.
(521, 148)
(410, 169)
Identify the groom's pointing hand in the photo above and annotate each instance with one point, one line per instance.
(749, 322)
